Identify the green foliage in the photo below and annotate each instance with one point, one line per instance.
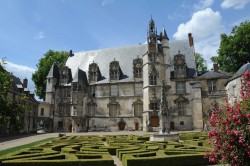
(200, 62)
(234, 49)
(9, 110)
(231, 134)
(43, 67)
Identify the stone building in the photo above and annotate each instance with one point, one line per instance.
(120, 88)
(213, 92)
(44, 116)
(233, 85)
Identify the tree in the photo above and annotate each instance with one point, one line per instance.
(43, 67)
(5, 85)
(234, 49)
(231, 134)
(9, 110)
(201, 64)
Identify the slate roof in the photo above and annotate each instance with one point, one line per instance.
(240, 72)
(53, 72)
(125, 56)
(213, 75)
(80, 76)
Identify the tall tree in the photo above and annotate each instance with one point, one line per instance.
(43, 67)
(9, 110)
(200, 62)
(5, 85)
(234, 49)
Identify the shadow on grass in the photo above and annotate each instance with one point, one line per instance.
(7, 151)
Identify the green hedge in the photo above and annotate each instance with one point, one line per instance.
(64, 160)
(164, 160)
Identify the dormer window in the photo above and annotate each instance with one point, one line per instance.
(179, 65)
(94, 72)
(114, 75)
(137, 65)
(65, 75)
(114, 70)
(93, 76)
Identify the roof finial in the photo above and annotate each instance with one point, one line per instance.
(179, 52)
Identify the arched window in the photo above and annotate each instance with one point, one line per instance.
(138, 108)
(181, 105)
(137, 65)
(65, 75)
(113, 106)
(179, 65)
(153, 76)
(114, 70)
(91, 107)
(94, 72)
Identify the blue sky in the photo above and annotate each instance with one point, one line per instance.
(29, 28)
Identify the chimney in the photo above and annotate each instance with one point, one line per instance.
(190, 39)
(25, 83)
(216, 67)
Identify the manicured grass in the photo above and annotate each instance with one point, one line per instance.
(7, 151)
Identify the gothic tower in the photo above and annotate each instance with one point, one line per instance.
(154, 72)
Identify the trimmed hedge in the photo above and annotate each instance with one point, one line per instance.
(131, 150)
(156, 159)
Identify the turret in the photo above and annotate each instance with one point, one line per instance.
(165, 45)
(52, 80)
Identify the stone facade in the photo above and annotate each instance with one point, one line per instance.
(233, 85)
(44, 116)
(213, 92)
(120, 88)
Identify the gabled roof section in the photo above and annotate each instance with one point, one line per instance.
(80, 77)
(214, 75)
(53, 72)
(240, 72)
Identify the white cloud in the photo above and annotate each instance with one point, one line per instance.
(40, 35)
(107, 2)
(236, 4)
(22, 72)
(206, 26)
(203, 4)
(203, 23)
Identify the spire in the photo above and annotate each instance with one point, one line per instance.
(151, 22)
(164, 34)
(151, 26)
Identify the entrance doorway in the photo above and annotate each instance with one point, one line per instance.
(70, 128)
(121, 125)
(172, 125)
(154, 122)
(136, 126)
